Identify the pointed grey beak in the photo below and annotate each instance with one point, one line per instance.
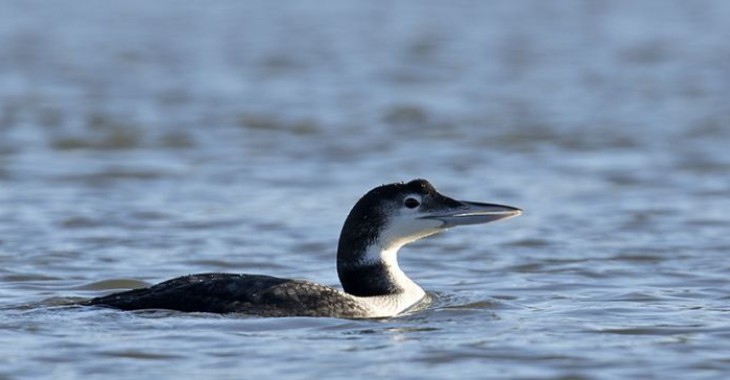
(474, 213)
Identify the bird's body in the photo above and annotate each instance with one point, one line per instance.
(239, 293)
(385, 219)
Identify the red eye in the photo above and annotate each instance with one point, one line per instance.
(412, 203)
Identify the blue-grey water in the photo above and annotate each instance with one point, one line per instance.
(140, 141)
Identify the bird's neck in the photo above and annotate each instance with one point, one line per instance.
(373, 270)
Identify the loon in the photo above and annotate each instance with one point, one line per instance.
(380, 223)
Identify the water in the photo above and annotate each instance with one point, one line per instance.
(140, 141)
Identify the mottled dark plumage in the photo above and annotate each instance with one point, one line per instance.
(234, 293)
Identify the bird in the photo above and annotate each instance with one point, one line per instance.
(373, 284)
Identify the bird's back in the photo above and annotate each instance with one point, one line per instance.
(238, 293)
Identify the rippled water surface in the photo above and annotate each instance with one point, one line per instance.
(140, 141)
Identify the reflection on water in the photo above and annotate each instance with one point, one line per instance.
(143, 141)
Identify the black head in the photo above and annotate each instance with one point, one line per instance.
(389, 216)
(396, 214)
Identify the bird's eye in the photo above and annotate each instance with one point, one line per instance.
(412, 202)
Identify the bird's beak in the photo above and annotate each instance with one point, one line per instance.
(473, 213)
